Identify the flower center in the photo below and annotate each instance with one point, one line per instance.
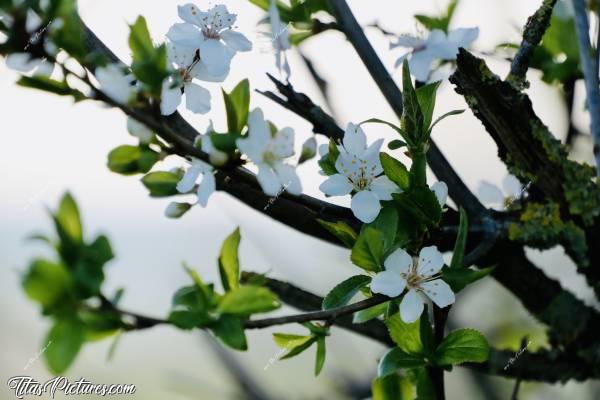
(413, 280)
(362, 178)
(269, 157)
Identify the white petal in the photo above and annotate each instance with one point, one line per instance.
(185, 35)
(170, 98)
(200, 71)
(21, 62)
(336, 185)
(389, 283)
(463, 37)
(190, 13)
(323, 149)
(32, 22)
(268, 180)
(430, 261)
(383, 187)
(44, 68)
(289, 178)
(139, 130)
(206, 188)
(189, 179)
(197, 98)
(408, 41)
(400, 60)
(512, 186)
(439, 291)
(114, 83)
(440, 189)
(420, 64)
(365, 206)
(282, 144)
(398, 262)
(489, 193)
(411, 307)
(180, 55)
(355, 140)
(236, 40)
(216, 56)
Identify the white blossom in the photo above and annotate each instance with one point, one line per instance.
(437, 46)
(419, 275)
(207, 184)
(360, 172)
(216, 156)
(184, 60)
(269, 151)
(491, 195)
(279, 39)
(211, 33)
(115, 83)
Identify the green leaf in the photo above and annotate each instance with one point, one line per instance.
(459, 278)
(149, 63)
(47, 283)
(368, 250)
(396, 144)
(290, 341)
(340, 230)
(191, 298)
(406, 336)
(187, 319)
(229, 264)
(396, 358)
(237, 104)
(370, 313)
(294, 351)
(46, 84)
(161, 183)
(246, 300)
(395, 171)
(426, 334)
(387, 223)
(321, 352)
(460, 346)
(391, 387)
(343, 292)
(99, 252)
(230, 330)
(448, 114)
(412, 116)
(425, 389)
(68, 218)
(128, 159)
(64, 341)
(426, 95)
(422, 204)
(461, 241)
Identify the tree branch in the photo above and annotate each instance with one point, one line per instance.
(589, 64)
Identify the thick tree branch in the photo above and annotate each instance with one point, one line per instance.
(589, 64)
(532, 35)
(458, 191)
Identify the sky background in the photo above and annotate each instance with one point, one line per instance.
(51, 146)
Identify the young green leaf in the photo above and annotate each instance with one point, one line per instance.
(461, 241)
(246, 300)
(340, 230)
(230, 330)
(368, 250)
(412, 116)
(237, 104)
(60, 88)
(459, 278)
(395, 171)
(368, 314)
(405, 135)
(462, 346)
(187, 319)
(127, 159)
(149, 63)
(422, 204)
(396, 144)
(64, 341)
(321, 352)
(67, 216)
(426, 95)
(290, 341)
(161, 183)
(396, 358)
(406, 336)
(441, 117)
(387, 223)
(342, 293)
(391, 387)
(229, 264)
(47, 283)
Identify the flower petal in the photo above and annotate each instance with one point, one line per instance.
(139, 130)
(336, 185)
(439, 291)
(282, 144)
(289, 178)
(411, 307)
(431, 261)
(383, 187)
(197, 98)
(268, 180)
(206, 188)
(355, 140)
(512, 186)
(420, 63)
(236, 40)
(365, 206)
(216, 56)
(490, 194)
(170, 98)
(185, 35)
(398, 262)
(189, 179)
(191, 14)
(440, 189)
(389, 283)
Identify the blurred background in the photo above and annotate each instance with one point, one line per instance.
(51, 145)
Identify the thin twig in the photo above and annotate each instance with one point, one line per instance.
(590, 72)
